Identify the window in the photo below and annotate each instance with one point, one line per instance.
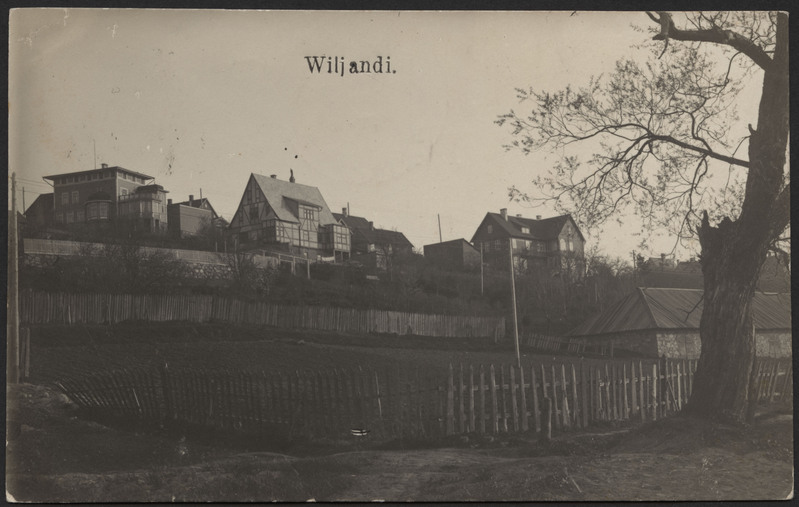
(525, 230)
(59, 217)
(91, 211)
(69, 217)
(74, 197)
(563, 244)
(80, 216)
(123, 191)
(65, 198)
(308, 214)
(253, 213)
(490, 229)
(527, 243)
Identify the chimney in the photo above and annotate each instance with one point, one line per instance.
(273, 176)
(169, 202)
(291, 178)
(504, 213)
(344, 211)
(104, 165)
(538, 217)
(372, 225)
(518, 215)
(191, 200)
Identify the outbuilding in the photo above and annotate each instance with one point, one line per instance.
(656, 322)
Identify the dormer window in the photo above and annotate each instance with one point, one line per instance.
(525, 230)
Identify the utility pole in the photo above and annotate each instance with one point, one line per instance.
(439, 229)
(513, 294)
(12, 346)
(481, 268)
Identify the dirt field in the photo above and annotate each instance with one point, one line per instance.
(59, 457)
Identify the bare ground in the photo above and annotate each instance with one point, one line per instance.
(59, 457)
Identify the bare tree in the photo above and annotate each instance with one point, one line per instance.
(663, 137)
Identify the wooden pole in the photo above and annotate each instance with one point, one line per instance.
(12, 376)
(481, 269)
(513, 293)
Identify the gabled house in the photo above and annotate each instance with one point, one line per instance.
(285, 216)
(187, 218)
(655, 322)
(453, 254)
(373, 247)
(553, 244)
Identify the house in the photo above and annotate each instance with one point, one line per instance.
(108, 194)
(553, 244)
(286, 216)
(453, 254)
(40, 213)
(188, 218)
(373, 247)
(655, 322)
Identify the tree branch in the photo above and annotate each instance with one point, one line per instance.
(714, 35)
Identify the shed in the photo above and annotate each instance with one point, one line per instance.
(658, 322)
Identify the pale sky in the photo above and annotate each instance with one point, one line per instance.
(200, 99)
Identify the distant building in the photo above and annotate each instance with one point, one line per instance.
(188, 218)
(108, 194)
(555, 244)
(286, 216)
(40, 212)
(454, 254)
(373, 247)
(655, 322)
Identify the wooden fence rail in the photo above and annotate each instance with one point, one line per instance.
(484, 399)
(61, 308)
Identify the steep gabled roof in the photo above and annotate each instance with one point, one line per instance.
(353, 222)
(656, 308)
(276, 191)
(44, 202)
(383, 237)
(544, 229)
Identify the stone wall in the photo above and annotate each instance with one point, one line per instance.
(773, 344)
(687, 345)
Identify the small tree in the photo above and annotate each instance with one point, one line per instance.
(662, 130)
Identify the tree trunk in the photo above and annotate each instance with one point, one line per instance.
(733, 254)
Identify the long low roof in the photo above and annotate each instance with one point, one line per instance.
(658, 308)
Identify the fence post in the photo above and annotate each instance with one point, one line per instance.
(461, 407)
(514, 405)
(492, 383)
(654, 391)
(472, 427)
(525, 425)
(548, 420)
(482, 400)
(584, 393)
(534, 389)
(450, 402)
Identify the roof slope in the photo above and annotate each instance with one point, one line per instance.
(384, 237)
(352, 221)
(544, 229)
(656, 308)
(276, 190)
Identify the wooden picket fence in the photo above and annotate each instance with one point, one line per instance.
(548, 343)
(62, 308)
(396, 404)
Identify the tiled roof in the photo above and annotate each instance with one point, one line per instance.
(656, 308)
(276, 190)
